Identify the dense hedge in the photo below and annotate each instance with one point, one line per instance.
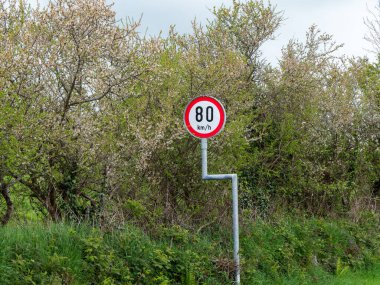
(302, 134)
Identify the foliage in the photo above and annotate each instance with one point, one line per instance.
(302, 249)
(298, 247)
(91, 132)
(312, 133)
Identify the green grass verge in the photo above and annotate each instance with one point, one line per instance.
(289, 251)
(366, 277)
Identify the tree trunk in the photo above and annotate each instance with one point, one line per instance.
(51, 206)
(8, 201)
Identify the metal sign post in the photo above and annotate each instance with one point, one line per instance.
(204, 118)
(235, 208)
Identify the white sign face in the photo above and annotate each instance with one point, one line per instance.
(204, 117)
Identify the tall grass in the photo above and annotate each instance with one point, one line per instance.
(288, 251)
(25, 249)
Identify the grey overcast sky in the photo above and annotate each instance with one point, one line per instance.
(341, 18)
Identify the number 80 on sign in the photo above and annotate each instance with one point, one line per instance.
(204, 117)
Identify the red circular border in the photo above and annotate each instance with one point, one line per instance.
(221, 112)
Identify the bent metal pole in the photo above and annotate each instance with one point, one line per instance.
(235, 208)
(204, 117)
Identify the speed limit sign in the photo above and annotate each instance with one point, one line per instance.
(204, 117)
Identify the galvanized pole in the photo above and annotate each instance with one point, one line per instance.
(235, 206)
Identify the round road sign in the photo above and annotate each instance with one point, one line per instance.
(204, 117)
